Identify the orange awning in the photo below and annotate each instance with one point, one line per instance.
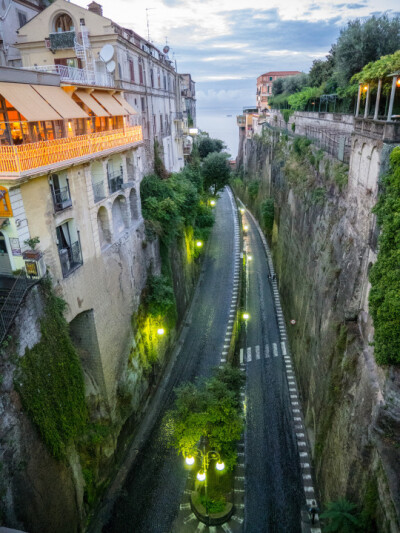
(28, 102)
(126, 105)
(91, 103)
(107, 101)
(60, 101)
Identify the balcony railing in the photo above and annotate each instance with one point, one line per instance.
(62, 40)
(98, 191)
(70, 258)
(115, 180)
(61, 198)
(16, 160)
(77, 75)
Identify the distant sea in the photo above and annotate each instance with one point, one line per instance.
(221, 126)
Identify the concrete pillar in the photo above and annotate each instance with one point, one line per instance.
(358, 100)
(378, 97)
(367, 100)
(392, 93)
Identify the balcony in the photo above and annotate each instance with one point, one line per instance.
(37, 158)
(61, 198)
(62, 40)
(70, 258)
(115, 180)
(75, 75)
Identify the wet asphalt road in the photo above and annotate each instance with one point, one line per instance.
(273, 486)
(150, 498)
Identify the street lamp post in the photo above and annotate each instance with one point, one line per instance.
(205, 458)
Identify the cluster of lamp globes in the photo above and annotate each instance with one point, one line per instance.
(201, 474)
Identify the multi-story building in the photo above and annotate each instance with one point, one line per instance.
(13, 15)
(264, 85)
(86, 48)
(71, 163)
(189, 96)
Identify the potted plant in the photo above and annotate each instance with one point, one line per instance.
(32, 254)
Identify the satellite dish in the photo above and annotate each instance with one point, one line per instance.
(106, 53)
(110, 66)
(166, 49)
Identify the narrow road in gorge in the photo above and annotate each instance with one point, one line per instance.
(150, 499)
(274, 491)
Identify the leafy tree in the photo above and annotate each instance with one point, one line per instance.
(277, 86)
(267, 212)
(363, 41)
(216, 171)
(342, 517)
(298, 101)
(207, 145)
(321, 71)
(160, 298)
(208, 410)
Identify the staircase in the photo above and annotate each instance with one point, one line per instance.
(84, 53)
(12, 292)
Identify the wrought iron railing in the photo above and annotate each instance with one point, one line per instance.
(77, 75)
(62, 40)
(98, 191)
(70, 258)
(24, 157)
(115, 180)
(61, 198)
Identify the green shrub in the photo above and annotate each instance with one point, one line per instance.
(50, 380)
(160, 298)
(268, 213)
(287, 113)
(318, 196)
(253, 189)
(384, 297)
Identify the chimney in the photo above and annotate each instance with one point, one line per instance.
(94, 7)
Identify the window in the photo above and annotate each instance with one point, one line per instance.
(63, 23)
(131, 70)
(60, 191)
(22, 18)
(142, 103)
(152, 77)
(270, 78)
(69, 248)
(141, 73)
(161, 124)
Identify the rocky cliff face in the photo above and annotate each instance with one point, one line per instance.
(324, 240)
(44, 494)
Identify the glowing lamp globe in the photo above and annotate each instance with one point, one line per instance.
(160, 331)
(199, 244)
(212, 202)
(220, 466)
(250, 257)
(242, 210)
(246, 316)
(189, 460)
(245, 227)
(201, 476)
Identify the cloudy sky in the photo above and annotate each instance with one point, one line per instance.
(226, 44)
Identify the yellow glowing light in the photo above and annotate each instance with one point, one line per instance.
(199, 244)
(212, 202)
(220, 466)
(398, 82)
(242, 210)
(69, 126)
(365, 88)
(245, 227)
(246, 316)
(189, 460)
(201, 475)
(250, 257)
(160, 331)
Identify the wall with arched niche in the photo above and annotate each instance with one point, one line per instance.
(103, 224)
(119, 215)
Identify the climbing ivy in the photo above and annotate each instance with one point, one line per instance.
(384, 297)
(50, 380)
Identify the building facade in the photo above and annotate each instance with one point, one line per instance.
(71, 165)
(84, 47)
(264, 85)
(189, 96)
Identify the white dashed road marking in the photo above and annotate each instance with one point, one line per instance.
(257, 352)
(248, 354)
(275, 349)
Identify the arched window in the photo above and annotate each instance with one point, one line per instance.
(119, 215)
(63, 23)
(133, 202)
(103, 224)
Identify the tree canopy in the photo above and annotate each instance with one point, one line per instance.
(207, 145)
(216, 171)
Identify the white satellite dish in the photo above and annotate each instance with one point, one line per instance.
(106, 53)
(110, 66)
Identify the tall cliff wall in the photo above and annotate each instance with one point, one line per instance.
(44, 494)
(324, 240)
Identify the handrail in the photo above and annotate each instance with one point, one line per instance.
(17, 159)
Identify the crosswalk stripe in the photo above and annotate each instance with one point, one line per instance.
(200, 527)
(283, 346)
(191, 517)
(257, 352)
(241, 356)
(226, 528)
(266, 351)
(184, 506)
(248, 354)
(237, 519)
(275, 349)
